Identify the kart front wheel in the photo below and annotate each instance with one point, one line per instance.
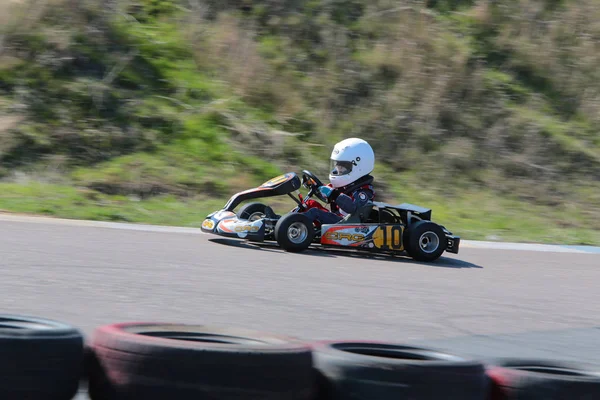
(426, 241)
(253, 211)
(294, 232)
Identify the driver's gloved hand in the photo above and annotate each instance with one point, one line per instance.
(329, 193)
(325, 191)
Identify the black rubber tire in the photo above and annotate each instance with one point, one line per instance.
(281, 232)
(526, 379)
(385, 371)
(406, 241)
(248, 209)
(39, 358)
(413, 235)
(150, 361)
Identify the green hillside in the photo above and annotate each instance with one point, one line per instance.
(156, 111)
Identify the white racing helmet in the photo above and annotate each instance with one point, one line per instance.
(351, 159)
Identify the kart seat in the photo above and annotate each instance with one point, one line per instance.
(387, 217)
(362, 215)
(369, 213)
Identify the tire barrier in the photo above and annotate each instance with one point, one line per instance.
(149, 361)
(39, 359)
(385, 371)
(526, 379)
(45, 359)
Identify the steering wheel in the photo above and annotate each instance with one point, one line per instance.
(312, 183)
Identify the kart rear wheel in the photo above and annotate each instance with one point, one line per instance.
(294, 232)
(425, 241)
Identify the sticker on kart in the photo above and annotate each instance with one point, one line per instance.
(389, 237)
(277, 180)
(208, 224)
(223, 214)
(348, 235)
(382, 237)
(241, 228)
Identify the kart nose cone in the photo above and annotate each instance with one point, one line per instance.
(208, 225)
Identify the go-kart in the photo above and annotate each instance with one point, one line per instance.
(377, 226)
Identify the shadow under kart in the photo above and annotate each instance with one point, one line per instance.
(376, 227)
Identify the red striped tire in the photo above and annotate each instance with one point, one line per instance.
(149, 361)
(526, 379)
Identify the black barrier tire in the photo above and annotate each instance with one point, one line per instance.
(39, 358)
(534, 379)
(175, 361)
(384, 371)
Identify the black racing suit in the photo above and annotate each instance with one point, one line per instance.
(343, 201)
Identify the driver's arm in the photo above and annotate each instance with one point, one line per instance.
(350, 205)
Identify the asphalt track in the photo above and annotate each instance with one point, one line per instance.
(491, 300)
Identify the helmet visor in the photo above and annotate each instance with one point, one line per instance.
(340, 167)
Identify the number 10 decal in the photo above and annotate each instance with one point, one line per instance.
(389, 237)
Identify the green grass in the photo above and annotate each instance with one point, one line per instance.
(485, 112)
(480, 215)
(471, 215)
(69, 202)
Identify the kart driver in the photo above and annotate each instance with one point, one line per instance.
(350, 187)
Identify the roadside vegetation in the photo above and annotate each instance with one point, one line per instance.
(156, 111)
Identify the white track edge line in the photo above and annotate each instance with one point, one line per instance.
(98, 224)
(7, 217)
